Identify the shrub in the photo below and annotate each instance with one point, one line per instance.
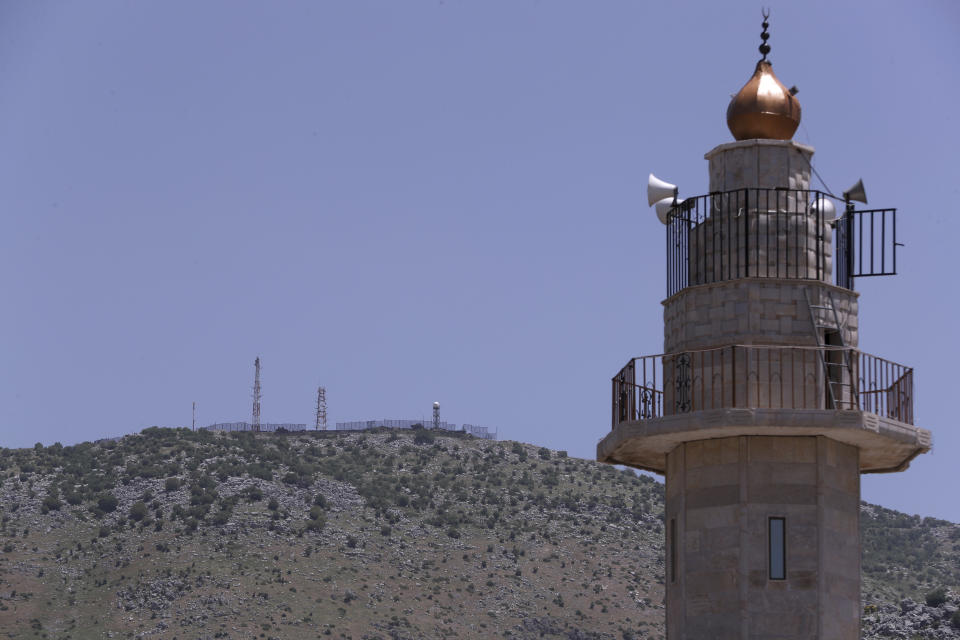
(937, 597)
(199, 511)
(205, 481)
(273, 505)
(202, 496)
(107, 503)
(955, 619)
(544, 453)
(253, 494)
(260, 470)
(52, 502)
(172, 484)
(138, 511)
(385, 531)
(315, 524)
(424, 437)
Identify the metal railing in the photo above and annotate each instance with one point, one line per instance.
(866, 243)
(775, 233)
(747, 233)
(246, 426)
(756, 377)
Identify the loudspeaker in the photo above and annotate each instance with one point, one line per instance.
(657, 190)
(856, 192)
(829, 209)
(665, 207)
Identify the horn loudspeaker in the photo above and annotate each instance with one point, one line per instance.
(664, 207)
(657, 190)
(829, 209)
(856, 192)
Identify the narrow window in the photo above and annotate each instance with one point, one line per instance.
(673, 549)
(778, 548)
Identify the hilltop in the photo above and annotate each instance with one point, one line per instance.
(377, 534)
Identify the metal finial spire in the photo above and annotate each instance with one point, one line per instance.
(764, 47)
(764, 108)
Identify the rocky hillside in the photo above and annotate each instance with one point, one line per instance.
(387, 534)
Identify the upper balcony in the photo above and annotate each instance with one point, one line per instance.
(775, 233)
(662, 400)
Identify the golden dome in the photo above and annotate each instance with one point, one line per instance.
(763, 108)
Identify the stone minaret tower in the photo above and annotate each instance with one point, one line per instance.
(762, 412)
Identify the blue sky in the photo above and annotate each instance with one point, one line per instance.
(427, 200)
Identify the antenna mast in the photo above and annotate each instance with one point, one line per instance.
(194, 416)
(256, 396)
(436, 415)
(321, 409)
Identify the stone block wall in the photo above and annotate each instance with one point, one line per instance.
(752, 311)
(763, 164)
(720, 496)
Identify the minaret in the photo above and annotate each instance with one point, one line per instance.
(762, 412)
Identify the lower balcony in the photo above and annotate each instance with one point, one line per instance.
(762, 377)
(660, 401)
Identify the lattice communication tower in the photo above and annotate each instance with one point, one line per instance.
(255, 426)
(321, 409)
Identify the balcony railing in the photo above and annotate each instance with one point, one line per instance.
(757, 377)
(775, 233)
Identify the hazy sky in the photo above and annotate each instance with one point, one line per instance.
(410, 201)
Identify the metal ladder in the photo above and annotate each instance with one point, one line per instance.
(832, 369)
